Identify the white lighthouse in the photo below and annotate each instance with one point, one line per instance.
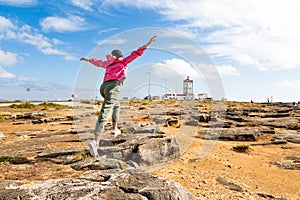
(188, 88)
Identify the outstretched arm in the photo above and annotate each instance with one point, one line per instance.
(139, 51)
(150, 41)
(96, 62)
(85, 59)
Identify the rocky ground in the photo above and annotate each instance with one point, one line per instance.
(225, 150)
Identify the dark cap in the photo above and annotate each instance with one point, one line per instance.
(117, 53)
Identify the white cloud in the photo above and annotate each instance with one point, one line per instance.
(288, 84)
(84, 4)
(34, 39)
(8, 58)
(5, 24)
(7, 28)
(172, 66)
(60, 24)
(228, 70)
(52, 51)
(28, 79)
(5, 74)
(70, 57)
(18, 2)
(57, 42)
(182, 48)
(266, 32)
(208, 71)
(248, 60)
(114, 41)
(28, 35)
(255, 47)
(107, 30)
(138, 3)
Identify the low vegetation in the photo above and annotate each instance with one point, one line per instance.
(295, 126)
(22, 105)
(13, 160)
(55, 105)
(45, 104)
(81, 155)
(241, 148)
(159, 135)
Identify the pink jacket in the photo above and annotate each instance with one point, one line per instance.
(116, 68)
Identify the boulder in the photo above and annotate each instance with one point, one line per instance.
(30, 115)
(203, 117)
(172, 121)
(236, 118)
(290, 136)
(160, 120)
(287, 165)
(101, 163)
(191, 123)
(102, 184)
(230, 185)
(142, 128)
(146, 149)
(286, 122)
(232, 134)
(270, 142)
(275, 115)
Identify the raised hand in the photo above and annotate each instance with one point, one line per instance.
(84, 59)
(151, 41)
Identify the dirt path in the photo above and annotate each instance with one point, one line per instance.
(251, 171)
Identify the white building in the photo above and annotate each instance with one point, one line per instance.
(188, 88)
(202, 96)
(188, 93)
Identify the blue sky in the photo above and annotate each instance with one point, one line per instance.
(253, 45)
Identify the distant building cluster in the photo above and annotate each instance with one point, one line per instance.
(188, 92)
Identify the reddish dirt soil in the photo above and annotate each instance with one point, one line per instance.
(251, 170)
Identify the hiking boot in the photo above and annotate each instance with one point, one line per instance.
(93, 148)
(116, 132)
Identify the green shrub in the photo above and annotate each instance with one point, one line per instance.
(159, 135)
(54, 105)
(124, 131)
(81, 155)
(135, 101)
(13, 160)
(170, 101)
(71, 117)
(146, 102)
(241, 148)
(86, 101)
(22, 105)
(295, 126)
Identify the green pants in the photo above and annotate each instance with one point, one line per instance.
(110, 91)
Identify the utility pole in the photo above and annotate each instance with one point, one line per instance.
(28, 97)
(166, 88)
(149, 85)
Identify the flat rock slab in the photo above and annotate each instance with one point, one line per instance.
(99, 184)
(233, 134)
